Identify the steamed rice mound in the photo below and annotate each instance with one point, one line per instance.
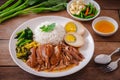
(54, 37)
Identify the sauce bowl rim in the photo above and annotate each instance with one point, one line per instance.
(113, 21)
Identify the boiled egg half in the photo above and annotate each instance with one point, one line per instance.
(74, 39)
(72, 27)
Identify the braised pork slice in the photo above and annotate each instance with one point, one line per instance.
(75, 53)
(51, 57)
(49, 50)
(56, 56)
(32, 61)
(45, 52)
(39, 59)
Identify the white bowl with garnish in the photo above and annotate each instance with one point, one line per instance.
(105, 26)
(83, 10)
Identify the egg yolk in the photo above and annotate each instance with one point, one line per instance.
(70, 38)
(70, 27)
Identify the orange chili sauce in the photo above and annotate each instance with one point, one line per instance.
(104, 26)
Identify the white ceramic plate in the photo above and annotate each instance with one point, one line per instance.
(87, 50)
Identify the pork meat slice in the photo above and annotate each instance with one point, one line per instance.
(56, 56)
(75, 53)
(32, 61)
(46, 52)
(70, 57)
(60, 66)
(49, 50)
(39, 59)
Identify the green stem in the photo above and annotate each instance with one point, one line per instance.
(38, 5)
(6, 4)
(10, 16)
(28, 10)
(12, 7)
(35, 10)
(43, 4)
(24, 5)
(54, 8)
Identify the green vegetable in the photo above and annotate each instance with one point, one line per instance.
(11, 7)
(24, 5)
(54, 8)
(29, 33)
(22, 42)
(91, 8)
(49, 5)
(48, 28)
(25, 42)
(35, 6)
(22, 35)
(19, 42)
(58, 7)
(86, 14)
(87, 17)
(32, 2)
(9, 16)
(18, 34)
(96, 11)
(6, 4)
(84, 9)
(22, 53)
(81, 15)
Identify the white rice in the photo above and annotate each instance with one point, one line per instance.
(54, 37)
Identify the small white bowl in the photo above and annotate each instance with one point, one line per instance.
(86, 2)
(107, 19)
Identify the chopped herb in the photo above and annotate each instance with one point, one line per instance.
(48, 28)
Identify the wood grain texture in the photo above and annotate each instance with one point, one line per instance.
(105, 45)
(5, 58)
(88, 73)
(109, 4)
(119, 14)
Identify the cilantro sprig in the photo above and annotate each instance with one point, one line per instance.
(48, 28)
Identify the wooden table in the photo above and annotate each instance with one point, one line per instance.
(10, 71)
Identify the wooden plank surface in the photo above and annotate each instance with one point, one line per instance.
(88, 73)
(119, 14)
(109, 4)
(105, 45)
